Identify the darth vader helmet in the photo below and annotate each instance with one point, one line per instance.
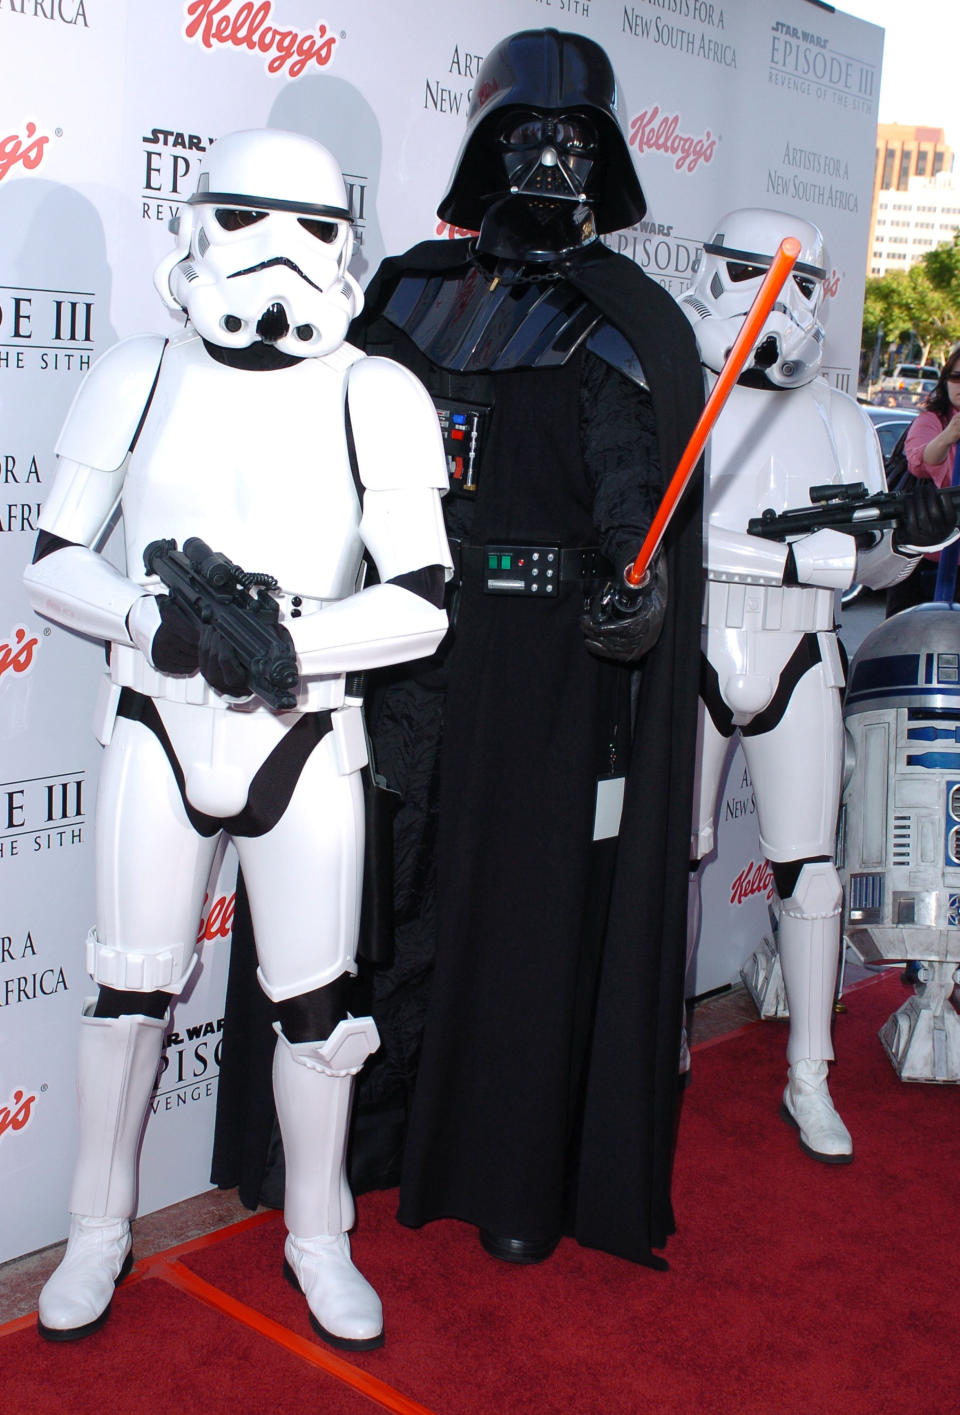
(263, 247)
(729, 273)
(544, 167)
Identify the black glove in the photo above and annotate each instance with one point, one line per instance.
(220, 666)
(624, 622)
(929, 518)
(176, 644)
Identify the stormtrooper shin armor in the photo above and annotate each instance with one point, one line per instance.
(772, 668)
(190, 438)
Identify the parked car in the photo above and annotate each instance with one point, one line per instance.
(907, 386)
(909, 373)
(891, 424)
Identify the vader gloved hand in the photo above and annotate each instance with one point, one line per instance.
(929, 520)
(176, 644)
(625, 621)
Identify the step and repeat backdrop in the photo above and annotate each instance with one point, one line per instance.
(107, 111)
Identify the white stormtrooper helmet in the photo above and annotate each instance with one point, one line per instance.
(263, 246)
(728, 276)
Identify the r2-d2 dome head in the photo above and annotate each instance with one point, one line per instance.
(729, 273)
(263, 247)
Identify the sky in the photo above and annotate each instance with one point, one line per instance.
(920, 81)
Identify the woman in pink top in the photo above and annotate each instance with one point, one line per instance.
(931, 448)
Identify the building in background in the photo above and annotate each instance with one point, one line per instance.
(915, 203)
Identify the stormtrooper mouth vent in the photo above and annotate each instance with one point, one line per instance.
(273, 324)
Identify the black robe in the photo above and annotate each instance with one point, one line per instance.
(546, 1086)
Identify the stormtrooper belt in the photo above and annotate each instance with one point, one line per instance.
(515, 568)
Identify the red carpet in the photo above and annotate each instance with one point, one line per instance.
(795, 1288)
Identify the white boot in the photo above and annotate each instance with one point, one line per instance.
(807, 1104)
(116, 1072)
(313, 1089)
(809, 945)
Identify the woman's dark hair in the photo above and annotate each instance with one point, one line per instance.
(939, 399)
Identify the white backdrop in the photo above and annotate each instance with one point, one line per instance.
(107, 108)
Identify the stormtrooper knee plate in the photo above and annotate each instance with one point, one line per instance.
(313, 1090)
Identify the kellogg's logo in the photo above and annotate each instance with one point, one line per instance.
(30, 150)
(831, 285)
(752, 879)
(17, 1114)
(245, 27)
(17, 657)
(651, 132)
(452, 233)
(219, 921)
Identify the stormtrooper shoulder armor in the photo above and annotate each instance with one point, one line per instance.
(857, 446)
(395, 428)
(614, 349)
(110, 403)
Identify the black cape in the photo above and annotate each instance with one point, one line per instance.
(621, 1180)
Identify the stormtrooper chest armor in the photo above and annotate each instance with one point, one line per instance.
(253, 462)
(767, 449)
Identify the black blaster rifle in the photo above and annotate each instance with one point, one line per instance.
(840, 506)
(212, 590)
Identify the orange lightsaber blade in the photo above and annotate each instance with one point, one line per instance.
(773, 282)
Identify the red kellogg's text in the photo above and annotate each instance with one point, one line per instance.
(30, 150)
(244, 26)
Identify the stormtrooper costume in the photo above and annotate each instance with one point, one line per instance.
(260, 430)
(771, 667)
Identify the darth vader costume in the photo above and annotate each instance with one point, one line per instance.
(530, 1023)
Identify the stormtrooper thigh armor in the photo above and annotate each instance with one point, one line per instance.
(792, 740)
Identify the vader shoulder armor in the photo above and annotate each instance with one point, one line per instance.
(110, 403)
(613, 348)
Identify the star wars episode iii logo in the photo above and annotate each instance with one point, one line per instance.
(803, 62)
(173, 159)
(189, 1066)
(66, 12)
(566, 7)
(660, 250)
(171, 165)
(47, 329)
(254, 28)
(42, 813)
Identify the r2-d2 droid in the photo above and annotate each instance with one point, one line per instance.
(899, 843)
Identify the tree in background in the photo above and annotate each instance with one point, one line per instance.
(923, 301)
